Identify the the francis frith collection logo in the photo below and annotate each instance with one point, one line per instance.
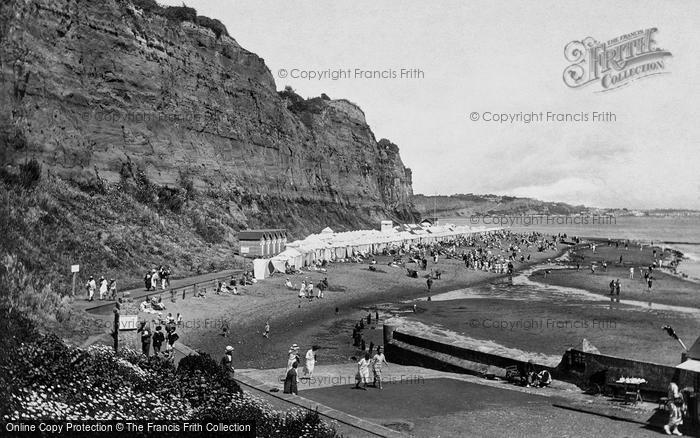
(614, 63)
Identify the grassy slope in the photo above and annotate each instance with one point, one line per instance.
(55, 224)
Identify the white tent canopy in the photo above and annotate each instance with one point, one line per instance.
(329, 245)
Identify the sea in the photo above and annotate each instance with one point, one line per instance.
(681, 233)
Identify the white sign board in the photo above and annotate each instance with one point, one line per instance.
(75, 268)
(245, 249)
(128, 322)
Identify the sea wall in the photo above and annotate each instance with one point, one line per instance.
(577, 367)
(584, 367)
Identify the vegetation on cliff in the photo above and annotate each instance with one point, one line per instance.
(181, 13)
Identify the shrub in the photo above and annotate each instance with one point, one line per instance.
(28, 175)
(215, 25)
(210, 230)
(171, 199)
(188, 185)
(148, 6)
(180, 13)
(145, 191)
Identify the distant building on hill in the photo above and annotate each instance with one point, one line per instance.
(429, 222)
(262, 243)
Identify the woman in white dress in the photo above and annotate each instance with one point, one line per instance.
(363, 372)
(310, 361)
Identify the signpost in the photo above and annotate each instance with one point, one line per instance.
(115, 330)
(74, 269)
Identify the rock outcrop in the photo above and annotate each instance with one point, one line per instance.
(101, 91)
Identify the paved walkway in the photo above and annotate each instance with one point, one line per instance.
(363, 427)
(205, 280)
(562, 395)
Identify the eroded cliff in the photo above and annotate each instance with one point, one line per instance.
(105, 92)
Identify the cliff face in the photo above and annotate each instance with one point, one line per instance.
(102, 91)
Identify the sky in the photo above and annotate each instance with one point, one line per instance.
(497, 57)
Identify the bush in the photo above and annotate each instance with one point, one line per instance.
(210, 230)
(28, 176)
(148, 6)
(215, 25)
(145, 191)
(180, 13)
(171, 199)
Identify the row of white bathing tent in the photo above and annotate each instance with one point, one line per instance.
(331, 246)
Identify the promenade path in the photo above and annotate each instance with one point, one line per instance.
(422, 402)
(208, 280)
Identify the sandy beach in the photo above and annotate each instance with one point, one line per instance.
(354, 290)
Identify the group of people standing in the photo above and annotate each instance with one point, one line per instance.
(291, 379)
(158, 338)
(306, 289)
(157, 278)
(106, 290)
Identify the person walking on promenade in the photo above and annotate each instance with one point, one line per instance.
(147, 280)
(103, 288)
(617, 287)
(145, 330)
(291, 380)
(172, 337)
(227, 361)
(429, 283)
(158, 339)
(310, 361)
(293, 356)
(378, 361)
(266, 332)
(362, 372)
(112, 289)
(631, 273)
(91, 286)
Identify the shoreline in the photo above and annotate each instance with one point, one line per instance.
(547, 315)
